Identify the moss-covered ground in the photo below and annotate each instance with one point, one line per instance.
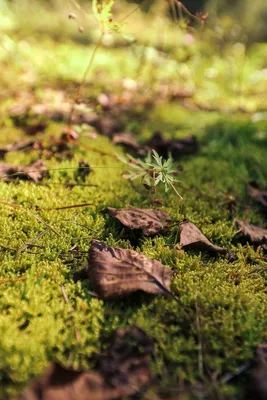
(221, 317)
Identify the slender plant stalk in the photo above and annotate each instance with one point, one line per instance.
(81, 85)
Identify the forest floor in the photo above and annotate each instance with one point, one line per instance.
(207, 85)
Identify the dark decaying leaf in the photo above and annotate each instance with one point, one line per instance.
(34, 172)
(115, 272)
(108, 126)
(3, 151)
(127, 140)
(191, 237)
(175, 147)
(257, 385)
(149, 221)
(255, 234)
(260, 195)
(20, 146)
(82, 172)
(122, 371)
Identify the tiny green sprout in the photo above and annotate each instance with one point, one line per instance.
(102, 10)
(152, 171)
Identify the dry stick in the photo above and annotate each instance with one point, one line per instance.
(78, 91)
(200, 348)
(173, 10)
(33, 240)
(130, 13)
(88, 147)
(66, 207)
(3, 281)
(182, 7)
(7, 248)
(37, 217)
(66, 299)
(67, 168)
(196, 192)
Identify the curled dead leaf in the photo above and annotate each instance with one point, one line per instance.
(255, 234)
(82, 172)
(34, 172)
(127, 140)
(175, 147)
(20, 146)
(192, 237)
(115, 272)
(149, 222)
(257, 385)
(122, 371)
(257, 194)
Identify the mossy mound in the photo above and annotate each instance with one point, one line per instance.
(221, 317)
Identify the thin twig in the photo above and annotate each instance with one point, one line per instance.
(66, 299)
(200, 347)
(78, 91)
(11, 280)
(33, 240)
(37, 217)
(65, 207)
(95, 150)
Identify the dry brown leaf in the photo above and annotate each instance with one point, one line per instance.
(34, 172)
(20, 146)
(192, 237)
(122, 371)
(175, 147)
(257, 387)
(260, 195)
(255, 234)
(108, 126)
(115, 272)
(127, 140)
(149, 221)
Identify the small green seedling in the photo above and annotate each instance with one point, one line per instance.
(152, 171)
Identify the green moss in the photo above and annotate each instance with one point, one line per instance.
(228, 299)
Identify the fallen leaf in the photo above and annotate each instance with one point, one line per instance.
(33, 129)
(175, 147)
(257, 385)
(34, 172)
(255, 234)
(20, 146)
(191, 237)
(128, 355)
(260, 195)
(150, 222)
(82, 172)
(107, 126)
(3, 151)
(122, 371)
(127, 140)
(69, 134)
(115, 272)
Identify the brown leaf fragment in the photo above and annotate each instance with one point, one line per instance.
(34, 172)
(149, 222)
(255, 234)
(20, 146)
(122, 371)
(126, 363)
(260, 195)
(175, 147)
(127, 140)
(115, 272)
(82, 172)
(257, 385)
(108, 126)
(3, 151)
(192, 237)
